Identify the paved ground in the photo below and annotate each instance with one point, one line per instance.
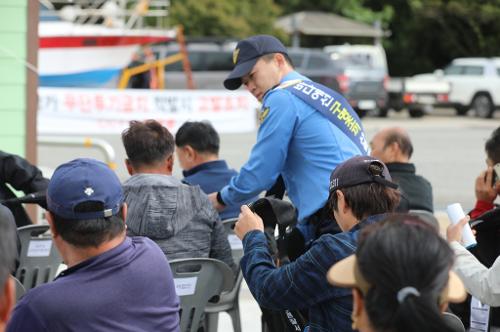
(449, 151)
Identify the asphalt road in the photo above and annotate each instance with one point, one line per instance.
(449, 151)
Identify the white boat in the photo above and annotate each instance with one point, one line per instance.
(88, 55)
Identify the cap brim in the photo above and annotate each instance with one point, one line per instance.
(342, 273)
(233, 81)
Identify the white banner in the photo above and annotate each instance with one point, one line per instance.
(108, 111)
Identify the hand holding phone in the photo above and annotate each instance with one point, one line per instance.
(485, 187)
(496, 174)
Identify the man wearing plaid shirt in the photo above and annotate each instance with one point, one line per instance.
(360, 191)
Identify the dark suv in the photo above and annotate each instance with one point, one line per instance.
(316, 65)
(364, 89)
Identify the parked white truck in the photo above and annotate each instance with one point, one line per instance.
(474, 84)
(418, 96)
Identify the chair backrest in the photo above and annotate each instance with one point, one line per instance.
(454, 322)
(39, 259)
(234, 241)
(197, 280)
(20, 291)
(426, 216)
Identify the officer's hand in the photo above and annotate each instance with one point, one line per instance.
(485, 190)
(454, 232)
(247, 221)
(213, 199)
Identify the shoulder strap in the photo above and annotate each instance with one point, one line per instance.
(333, 106)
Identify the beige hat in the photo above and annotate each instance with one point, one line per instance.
(345, 273)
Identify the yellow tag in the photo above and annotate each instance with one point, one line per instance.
(263, 114)
(235, 55)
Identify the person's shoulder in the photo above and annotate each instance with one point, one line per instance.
(343, 241)
(423, 180)
(148, 250)
(145, 243)
(278, 97)
(43, 296)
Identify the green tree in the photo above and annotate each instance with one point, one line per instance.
(224, 18)
(425, 34)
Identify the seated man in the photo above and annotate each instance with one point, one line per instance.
(8, 254)
(393, 147)
(198, 153)
(113, 282)
(360, 189)
(487, 190)
(21, 175)
(178, 217)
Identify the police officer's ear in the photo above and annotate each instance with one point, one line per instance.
(280, 60)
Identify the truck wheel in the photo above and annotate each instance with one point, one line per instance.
(416, 112)
(361, 113)
(382, 112)
(461, 110)
(483, 106)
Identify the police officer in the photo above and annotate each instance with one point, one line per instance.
(295, 140)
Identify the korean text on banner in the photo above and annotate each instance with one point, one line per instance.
(103, 111)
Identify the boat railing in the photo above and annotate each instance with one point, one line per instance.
(122, 13)
(159, 65)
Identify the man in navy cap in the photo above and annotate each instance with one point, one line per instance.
(113, 282)
(305, 131)
(361, 192)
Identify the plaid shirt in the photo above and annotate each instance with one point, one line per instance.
(302, 284)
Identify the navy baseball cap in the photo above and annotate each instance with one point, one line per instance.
(84, 180)
(358, 170)
(247, 53)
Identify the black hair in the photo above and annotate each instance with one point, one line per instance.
(401, 139)
(270, 56)
(492, 146)
(147, 143)
(8, 246)
(367, 199)
(89, 232)
(403, 251)
(201, 136)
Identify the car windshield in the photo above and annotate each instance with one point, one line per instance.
(361, 59)
(464, 70)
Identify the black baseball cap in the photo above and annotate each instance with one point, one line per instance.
(247, 53)
(359, 170)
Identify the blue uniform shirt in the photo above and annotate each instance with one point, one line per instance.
(211, 177)
(299, 143)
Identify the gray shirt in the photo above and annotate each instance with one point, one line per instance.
(178, 217)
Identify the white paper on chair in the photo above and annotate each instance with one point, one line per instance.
(39, 248)
(234, 242)
(185, 286)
